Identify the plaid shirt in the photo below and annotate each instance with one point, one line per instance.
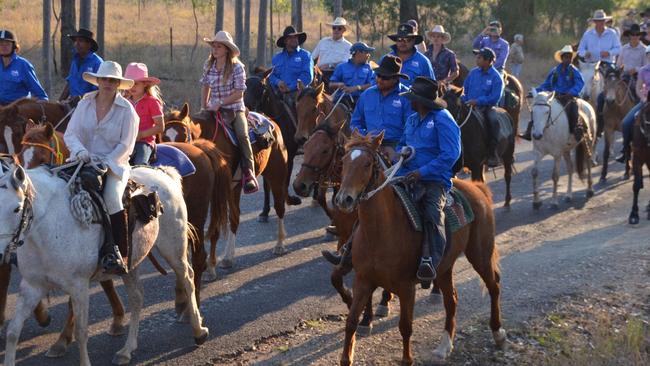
(218, 90)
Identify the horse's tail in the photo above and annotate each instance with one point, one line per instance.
(192, 237)
(581, 158)
(222, 188)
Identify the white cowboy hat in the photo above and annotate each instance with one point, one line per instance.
(225, 39)
(108, 69)
(565, 49)
(439, 29)
(599, 15)
(339, 21)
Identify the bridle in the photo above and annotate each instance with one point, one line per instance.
(547, 104)
(54, 148)
(329, 176)
(264, 99)
(186, 128)
(25, 211)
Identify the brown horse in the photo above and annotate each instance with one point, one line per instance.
(270, 162)
(42, 145)
(313, 106)
(618, 101)
(640, 157)
(386, 249)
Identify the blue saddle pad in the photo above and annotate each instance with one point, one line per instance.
(170, 156)
(255, 121)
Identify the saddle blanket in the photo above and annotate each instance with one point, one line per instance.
(505, 125)
(167, 155)
(258, 124)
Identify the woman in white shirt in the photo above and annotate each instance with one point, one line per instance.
(103, 128)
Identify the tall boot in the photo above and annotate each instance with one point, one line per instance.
(112, 261)
(493, 159)
(344, 259)
(426, 273)
(529, 131)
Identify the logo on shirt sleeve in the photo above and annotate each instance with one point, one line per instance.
(397, 103)
(430, 124)
(488, 82)
(15, 73)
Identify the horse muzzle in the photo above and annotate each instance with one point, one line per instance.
(537, 136)
(345, 202)
(302, 189)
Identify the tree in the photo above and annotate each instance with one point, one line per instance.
(261, 33)
(84, 13)
(218, 24)
(338, 8)
(408, 9)
(47, 71)
(101, 17)
(296, 14)
(239, 24)
(245, 47)
(68, 21)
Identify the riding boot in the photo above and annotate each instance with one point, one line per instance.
(529, 131)
(493, 159)
(344, 259)
(250, 182)
(625, 154)
(112, 261)
(600, 119)
(426, 273)
(575, 127)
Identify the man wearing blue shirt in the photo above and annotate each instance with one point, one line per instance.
(414, 63)
(491, 38)
(17, 76)
(355, 75)
(84, 60)
(483, 88)
(431, 146)
(293, 63)
(566, 81)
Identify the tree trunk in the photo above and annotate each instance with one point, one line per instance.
(407, 10)
(296, 14)
(101, 17)
(47, 71)
(239, 24)
(68, 21)
(218, 24)
(84, 13)
(245, 49)
(338, 8)
(260, 60)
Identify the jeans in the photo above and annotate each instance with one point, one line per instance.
(515, 69)
(432, 206)
(141, 153)
(240, 125)
(628, 124)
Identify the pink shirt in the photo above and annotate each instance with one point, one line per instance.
(147, 109)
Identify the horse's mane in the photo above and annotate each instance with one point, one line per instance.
(542, 97)
(36, 133)
(357, 140)
(311, 92)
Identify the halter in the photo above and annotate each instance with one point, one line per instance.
(186, 128)
(55, 151)
(325, 174)
(26, 213)
(549, 122)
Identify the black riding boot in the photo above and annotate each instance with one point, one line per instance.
(493, 159)
(426, 273)
(625, 154)
(529, 131)
(111, 260)
(343, 259)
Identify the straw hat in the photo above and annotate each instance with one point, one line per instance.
(338, 22)
(138, 71)
(225, 39)
(565, 49)
(599, 15)
(439, 29)
(109, 69)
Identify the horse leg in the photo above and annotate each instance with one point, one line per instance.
(231, 236)
(450, 297)
(5, 278)
(590, 186)
(507, 174)
(180, 301)
(537, 203)
(279, 192)
(406, 303)
(134, 290)
(361, 293)
(435, 296)
(569, 170)
(383, 309)
(211, 261)
(555, 176)
(606, 147)
(59, 348)
(291, 154)
(80, 303)
(336, 278)
(264, 215)
(117, 327)
(636, 187)
(28, 297)
(365, 326)
(42, 316)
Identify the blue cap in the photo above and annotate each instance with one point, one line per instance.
(362, 47)
(486, 53)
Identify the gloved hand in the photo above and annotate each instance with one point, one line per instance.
(84, 156)
(407, 152)
(414, 176)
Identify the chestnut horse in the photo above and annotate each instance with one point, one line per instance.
(386, 250)
(270, 162)
(640, 157)
(619, 99)
(313, 106)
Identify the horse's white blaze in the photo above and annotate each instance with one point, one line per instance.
(28, 155)
(8, 135)
(355, 154)
(171, 134)
(445, 347)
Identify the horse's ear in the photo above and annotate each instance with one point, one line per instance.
(320, 88)
(49, 130)
(266, 73)
(356, 134)
(376, 140)
(30, 124)
(185, 111)
(459, 92)
(196, 130)
(18, 178)
(300, 86)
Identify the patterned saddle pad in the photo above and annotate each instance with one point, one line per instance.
(258, 125)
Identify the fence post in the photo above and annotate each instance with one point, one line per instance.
(171, 45)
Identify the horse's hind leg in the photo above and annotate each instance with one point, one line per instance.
(279, 195)
(337, 282)
(606, 147)
(537, 203)
(134, 290)
(59, 348)
(80, 301)
(28, 297)
(365, 326)
(555, 176)
(450, 297)
(361, 293)
(264, 215)
(406, 304)
(636, 187)
(383, 309)
(117, 327)
(184, 275)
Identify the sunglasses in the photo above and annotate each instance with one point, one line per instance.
(405, 40)
(386, 77)
(108, 80)
(338, 28)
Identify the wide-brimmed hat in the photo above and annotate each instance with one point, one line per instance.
(425, 91)
(85, 34)
(599, 15)
(6, 35)
(635, 30)
(338, 22)
(225, 39)
(406, 30)
(108, 69)
(390, 66)
(566, 49)
(486, 52)
(361, 47)
(291, 31)
(439, 29)
(138, 71)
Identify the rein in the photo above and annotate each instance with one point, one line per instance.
(469, 114)
(326, 174)
(55, 151)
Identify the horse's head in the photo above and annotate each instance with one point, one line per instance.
(612, 83)
(587, 70)
(257, 90)
(361, 169)
(308, 112)
(451, 94)
(16, 196)
(179, 127)
(12, 129)
(320, 155)
(541, 112)
(39, 146)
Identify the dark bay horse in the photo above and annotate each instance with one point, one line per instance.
(386, 249)
(618, 101)
(640, 157)
(474, 139)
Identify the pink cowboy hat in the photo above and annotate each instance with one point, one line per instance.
(138, 71)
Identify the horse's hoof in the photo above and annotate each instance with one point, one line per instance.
(46, 322)
(435, 298)
(226, 264)
(263, 218)
(555, 206)
(57, 350)
(626, 176)
(210, 274)
(590, 193)
(506, 206)
(293, 201)
(602, 181)
(633, 220)
(364, 330)
(116, 330)
(280, 251)
(120, 359)
(537, 205)
(203, 337)
(382, 311)
(499, 338)
(568, 199)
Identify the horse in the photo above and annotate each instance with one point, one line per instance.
(551, 137)
(386, 250)
(618, 101)
(270, 162)
(70, 262)
(594, 83)
(12, 129)
(313, 106)
(474, 139)
(41, 144)
(515, 87)
(640, 157)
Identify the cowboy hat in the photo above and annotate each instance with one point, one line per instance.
(390, 66)
(566, 49)
(87, 35)
(288, 32)
(225, 39)
(599, 15)
(108, 69)
(425, 91)
(635, 30)
(138, 71)
(338, 22)
(439, 29)
(406, 30)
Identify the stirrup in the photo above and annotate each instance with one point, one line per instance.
(113, 264)
(426, 272)
(250, 184)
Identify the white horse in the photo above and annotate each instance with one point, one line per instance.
(551, 136)
(59, 252)
(594, 82)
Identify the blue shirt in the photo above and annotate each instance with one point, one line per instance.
(484, 86)
(18, 80)
(76, 84)
(436, 139)
(501, 49)
(352, 74)
(594, 44)
(375, 112)
(414, 66)
(291, 67)
(567, 81)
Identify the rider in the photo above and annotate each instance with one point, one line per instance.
(17, 76)
(443, 60)
(334, 50)
(223, 85)
(483, 89)
(632, 56)
(566, 81)
(516, 56)
(84, 60)
(414, 63)
(431, 146)
(148, 104)
(293, 63)
(642, 88)
(599, 44)
(355, 75)
(490, 38)
(103, 128)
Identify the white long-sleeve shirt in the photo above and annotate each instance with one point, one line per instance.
(594, 43)
(331, 52)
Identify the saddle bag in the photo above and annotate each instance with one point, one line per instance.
(146, 206)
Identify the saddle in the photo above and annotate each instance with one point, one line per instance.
(499, 115)
(167, 155)
(260, 128)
